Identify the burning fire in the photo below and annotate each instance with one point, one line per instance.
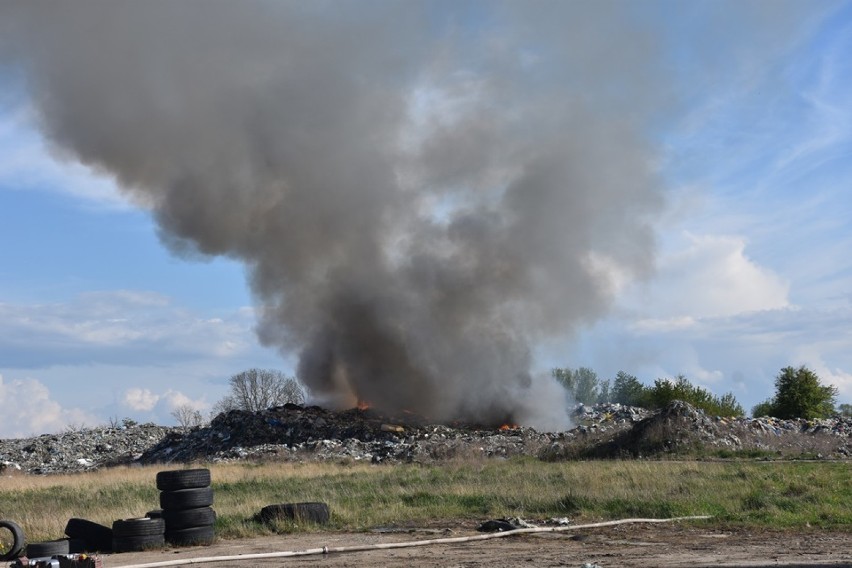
(362, 405)
(505, 427)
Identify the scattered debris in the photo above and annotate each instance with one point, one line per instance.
(521, 524)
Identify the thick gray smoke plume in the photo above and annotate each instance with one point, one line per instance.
(420, 192)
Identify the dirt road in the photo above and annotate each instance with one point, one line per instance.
(623, 546)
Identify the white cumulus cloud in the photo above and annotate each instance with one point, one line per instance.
(158, 407)
(28, 409)
(711, 277)
(140, 399)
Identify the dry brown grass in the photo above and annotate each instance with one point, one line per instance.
(363, 496)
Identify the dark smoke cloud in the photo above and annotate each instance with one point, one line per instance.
(420, 192)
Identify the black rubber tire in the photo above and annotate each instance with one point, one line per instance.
(17, 545)
(98, 538)
(183, 479)
(155, 514)
(310, 512)
(186, 498)
(138, 543)
(191, 537)
(126, 528)
(188, 518)
(47, 548)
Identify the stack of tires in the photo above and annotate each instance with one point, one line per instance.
(186, 498)
(133, 535)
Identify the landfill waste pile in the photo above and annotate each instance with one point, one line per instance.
(303, 433)
(681, 428)
(79, 449)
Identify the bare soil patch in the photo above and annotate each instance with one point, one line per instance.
(627, 545)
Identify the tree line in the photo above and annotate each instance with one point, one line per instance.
(799, 393)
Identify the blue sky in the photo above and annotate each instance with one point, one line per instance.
(753, 269)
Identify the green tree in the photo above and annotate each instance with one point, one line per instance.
(586, 387)
(564, 377)
(605, 393)
(664, 392)
(582, 383)
(763, 409)
(627, 389)
(845, 410)
(258, 389)
(799, 393)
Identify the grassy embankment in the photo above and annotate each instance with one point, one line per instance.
(361, 496)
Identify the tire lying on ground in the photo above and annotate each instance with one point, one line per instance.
(47, 548)
(96, 537)
(132, 535)
(15, 542)
(312, 512)
(186, 498)
(183, 479)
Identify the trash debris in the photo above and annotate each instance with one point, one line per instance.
(305, 433)
(520, 523)
(496, 525)
(79, 450)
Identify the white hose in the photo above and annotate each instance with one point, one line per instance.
(407, 544)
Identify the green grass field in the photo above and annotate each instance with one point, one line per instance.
(361, 496)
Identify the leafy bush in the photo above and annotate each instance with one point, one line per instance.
(666, 391)
(762, 408)
(585, 387)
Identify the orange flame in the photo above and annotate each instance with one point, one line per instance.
(362, 405)
(505, 427)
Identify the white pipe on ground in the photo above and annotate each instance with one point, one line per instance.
(406, 544)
